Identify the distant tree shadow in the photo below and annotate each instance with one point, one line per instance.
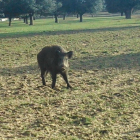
(28, 69)
(128, 61)
(22, 34)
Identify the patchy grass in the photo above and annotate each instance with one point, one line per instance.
(104, 73)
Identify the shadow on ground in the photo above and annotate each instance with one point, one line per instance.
(128, 61)
(22, 34)
(28, 69)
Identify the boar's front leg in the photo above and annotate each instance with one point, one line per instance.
(64, 74)
(53, 79)
(43, 76)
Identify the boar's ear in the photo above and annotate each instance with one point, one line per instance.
(69, 54)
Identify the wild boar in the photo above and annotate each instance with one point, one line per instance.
(54, 59)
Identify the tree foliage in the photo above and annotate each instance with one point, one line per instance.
(79, 6)
(27, 8)
(45, 7)
(125, 6)
(98, 6)
(14, 8)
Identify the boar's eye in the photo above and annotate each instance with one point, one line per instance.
(57, 52)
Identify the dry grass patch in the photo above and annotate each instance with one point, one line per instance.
(104, 101)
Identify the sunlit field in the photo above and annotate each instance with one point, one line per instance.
(104, 102)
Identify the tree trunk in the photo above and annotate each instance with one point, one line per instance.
(121, 13)
(92, 15)
(81, 17)
(128, 13)
(64, 16)
(77, 16)
(10, 20)
(31, 19)
(56, 18)
(26, 18)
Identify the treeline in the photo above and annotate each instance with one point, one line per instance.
(28, 8)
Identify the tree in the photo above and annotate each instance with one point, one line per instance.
(78, 6)
(83, 6)
(1, 9)
(57, 10)
(29, 7)
(11, 9)
(98, 6)
(45, 7)
(122, 6)
(14, 8)
(64, 7)
(68, 6)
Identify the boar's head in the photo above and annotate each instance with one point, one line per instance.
(61, 60)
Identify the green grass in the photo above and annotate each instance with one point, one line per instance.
(104, 73)
(47, 26)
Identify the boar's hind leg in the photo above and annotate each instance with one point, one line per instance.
(43, 76)
(66, 80)
(53, 79)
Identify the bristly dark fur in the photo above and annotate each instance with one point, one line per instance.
(54, 59)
